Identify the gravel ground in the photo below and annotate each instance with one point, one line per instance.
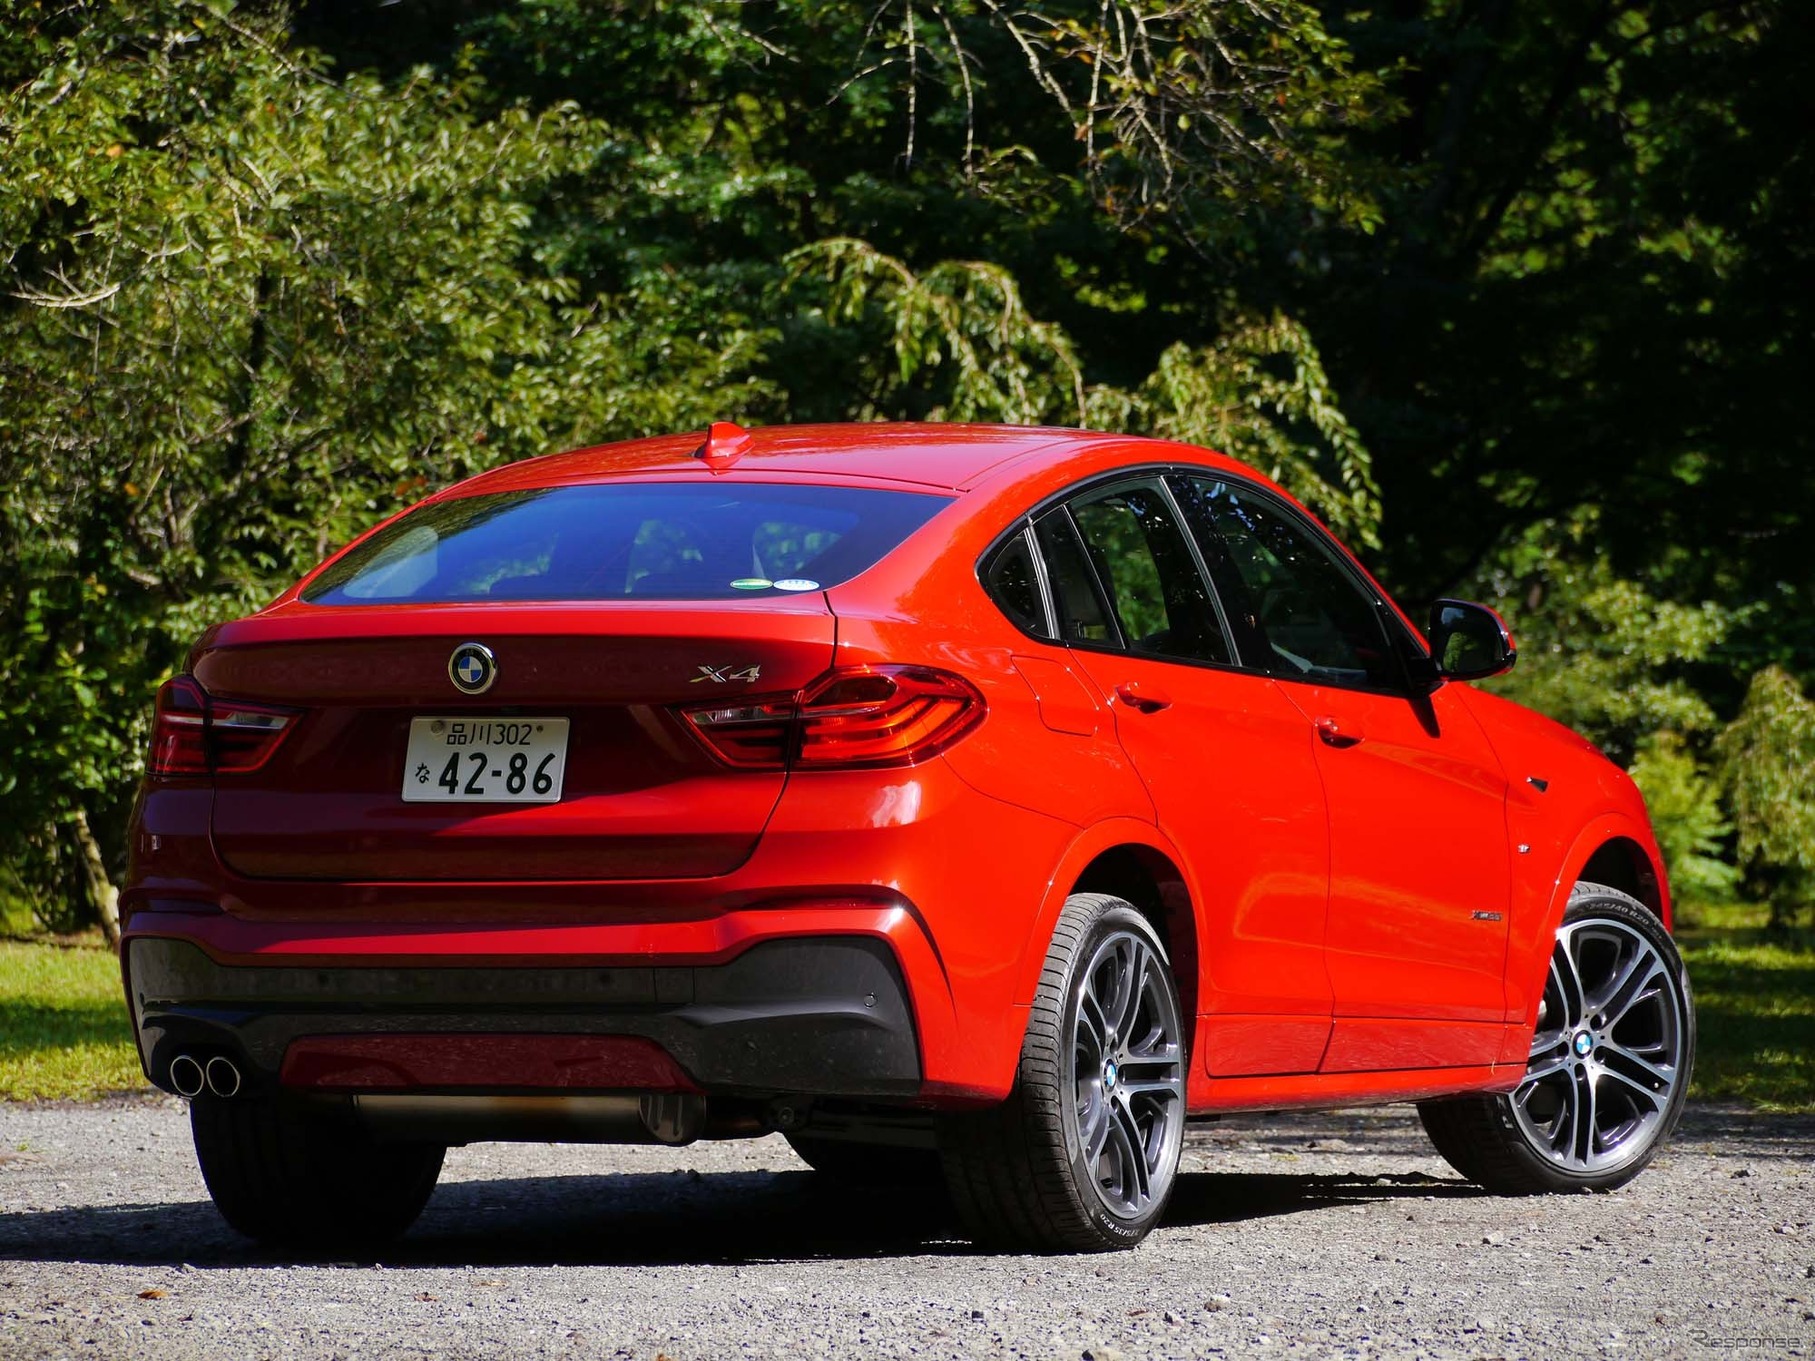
(1336, 1234)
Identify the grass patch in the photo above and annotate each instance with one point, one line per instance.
(1755, 1008)
(64, 1031)
(16, 920)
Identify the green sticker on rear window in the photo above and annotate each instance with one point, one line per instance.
(751, 584)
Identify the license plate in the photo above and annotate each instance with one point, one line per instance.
(485, 760)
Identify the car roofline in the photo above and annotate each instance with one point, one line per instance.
(1000, 447)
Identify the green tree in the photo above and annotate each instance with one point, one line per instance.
(1112, 161)
(1768, 756)
(1602, 653)
(1590, 288)
(1693, 832)
(956, 342)
(246, 310)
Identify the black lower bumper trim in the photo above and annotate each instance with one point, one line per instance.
(824, 1015)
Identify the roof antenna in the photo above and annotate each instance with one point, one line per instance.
(726, 442)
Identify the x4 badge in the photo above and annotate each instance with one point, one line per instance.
(721, 674)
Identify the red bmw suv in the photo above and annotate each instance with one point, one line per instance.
(978, 799)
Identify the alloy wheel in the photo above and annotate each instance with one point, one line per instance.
(1607, 1055)
(1128, 1068)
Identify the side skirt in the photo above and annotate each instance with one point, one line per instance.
(1314, 1090)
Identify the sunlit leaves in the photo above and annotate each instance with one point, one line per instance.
(1259, 392)
(250, 309)
(1683, 798)
(1600, 652)
(1768, 756)
(959, 327)
(965, 347)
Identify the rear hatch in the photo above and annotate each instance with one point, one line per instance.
(562, 625)
(639, 797)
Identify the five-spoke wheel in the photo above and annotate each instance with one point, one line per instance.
(1607, 1056)
(1128, 1074)
(1083, 1155)
(1609, 1066)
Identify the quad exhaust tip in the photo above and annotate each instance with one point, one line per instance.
(187, 1077)
(190, 1076)
(223, 1076)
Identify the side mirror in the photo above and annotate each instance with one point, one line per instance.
(1469, 641)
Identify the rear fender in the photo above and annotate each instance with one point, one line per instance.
(1088, 845)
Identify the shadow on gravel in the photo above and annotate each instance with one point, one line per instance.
(1229, 1197)
(1744, 1132)
(729, 1217)
(656, 1219)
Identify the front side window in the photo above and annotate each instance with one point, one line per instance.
(1299, 613)
(611, 541)
(1144, 561)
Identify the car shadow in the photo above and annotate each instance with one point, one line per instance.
(651, 1219)
(689, 1217)
(1744, 1131)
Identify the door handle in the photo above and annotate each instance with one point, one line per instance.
(1143, 698)
(1335, 734)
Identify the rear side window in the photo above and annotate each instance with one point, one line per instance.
(1083, 616)
(613, 541)
(1014, 584)
(1142, 558)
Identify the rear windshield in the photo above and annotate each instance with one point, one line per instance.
(626, 540)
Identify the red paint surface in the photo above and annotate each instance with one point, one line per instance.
(1326, 892)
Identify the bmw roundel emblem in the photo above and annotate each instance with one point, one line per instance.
(472, 668)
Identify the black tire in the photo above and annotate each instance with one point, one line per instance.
(860, 1164)
(1603, 1091)
(1021, 1174)
(289, 1175)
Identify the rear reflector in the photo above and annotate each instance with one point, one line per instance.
(441, 1061)
(851, 718)
(194, 734)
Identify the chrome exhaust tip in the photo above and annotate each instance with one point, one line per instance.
(223, 1076)
(186, 1076)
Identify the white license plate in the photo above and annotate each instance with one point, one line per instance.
(485, 760)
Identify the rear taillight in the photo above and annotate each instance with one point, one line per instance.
(850, 718)
(195, 734)
(754, 735)
(179, 729)
(884, 716)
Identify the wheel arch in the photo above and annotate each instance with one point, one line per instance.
(1131, 860)
(1621, 862)
(1613, 850)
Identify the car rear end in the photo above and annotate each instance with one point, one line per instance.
(555, 813)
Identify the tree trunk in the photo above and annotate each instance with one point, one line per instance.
(103, 897)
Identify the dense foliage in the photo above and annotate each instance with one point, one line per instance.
(1514, 294)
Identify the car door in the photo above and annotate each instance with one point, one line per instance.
(1226, 758)
(1419, 874)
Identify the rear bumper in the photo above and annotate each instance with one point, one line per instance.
(807, 1015)
(948, 880)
